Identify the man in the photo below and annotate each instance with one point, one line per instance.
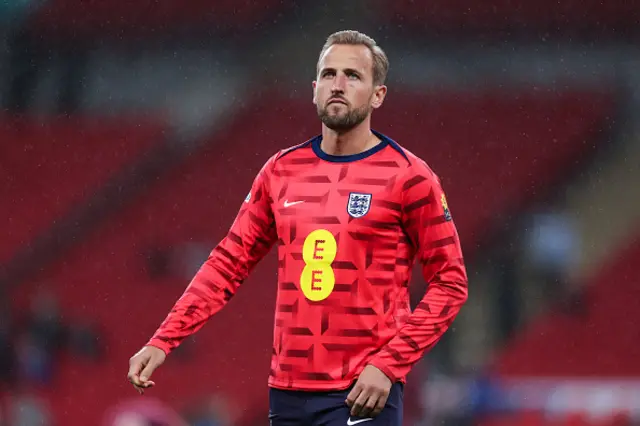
(351, 210)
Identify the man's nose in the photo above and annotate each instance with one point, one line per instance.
(339, 83)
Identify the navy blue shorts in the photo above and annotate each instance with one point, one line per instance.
(297, 408)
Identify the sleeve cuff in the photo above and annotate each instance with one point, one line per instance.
(160, 345)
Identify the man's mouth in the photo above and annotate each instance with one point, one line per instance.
(336, 101)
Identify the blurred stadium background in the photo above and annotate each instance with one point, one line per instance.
(130, 133)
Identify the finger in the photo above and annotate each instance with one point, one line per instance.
(353, 395)
(134, 380)
(135, 366)
(380, 404)
(145, 375)
(368, 407)
(144, 385)
(138, 382)
(138, 389)
(356, 410)
(134, 371)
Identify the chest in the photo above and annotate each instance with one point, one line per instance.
(353, 199)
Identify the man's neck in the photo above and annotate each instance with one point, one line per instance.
(353, 141)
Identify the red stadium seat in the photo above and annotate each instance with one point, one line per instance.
(48, 167)
(604, 344)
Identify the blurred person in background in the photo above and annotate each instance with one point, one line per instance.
(146, 412)
(552, 249)
(41, 335)
(8, 359)
(352, 210)
(27, 410)
(212, 410)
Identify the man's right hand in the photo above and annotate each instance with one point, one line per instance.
(142, 365)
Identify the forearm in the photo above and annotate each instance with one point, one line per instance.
(424, 328)
(211, 288)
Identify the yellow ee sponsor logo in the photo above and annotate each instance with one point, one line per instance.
(318, 252)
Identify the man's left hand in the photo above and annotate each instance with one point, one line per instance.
(369, 395)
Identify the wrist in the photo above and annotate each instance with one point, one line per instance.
(159, 344)
(384, 369)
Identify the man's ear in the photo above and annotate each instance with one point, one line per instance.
(379, 95)
(314, 84)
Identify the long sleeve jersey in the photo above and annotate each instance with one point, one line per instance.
(348, 230)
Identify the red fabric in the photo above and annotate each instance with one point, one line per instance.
(344, 265)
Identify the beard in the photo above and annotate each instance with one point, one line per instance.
(342, 121)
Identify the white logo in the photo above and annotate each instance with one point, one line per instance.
(248, 197)
(358, 204)
(288, 204)
(355, 422)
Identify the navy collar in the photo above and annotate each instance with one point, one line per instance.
(384, 142)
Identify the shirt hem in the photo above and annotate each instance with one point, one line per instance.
(311, 385)
(315, 386)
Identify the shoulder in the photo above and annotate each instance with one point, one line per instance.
(415, 167)
(293, 149)
(270, 166)
(284, 152)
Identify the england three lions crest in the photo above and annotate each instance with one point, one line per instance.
(359, 204)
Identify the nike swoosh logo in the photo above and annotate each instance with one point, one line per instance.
(288, 204)
(355, 422)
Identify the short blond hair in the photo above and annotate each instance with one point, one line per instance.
(355, 38)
